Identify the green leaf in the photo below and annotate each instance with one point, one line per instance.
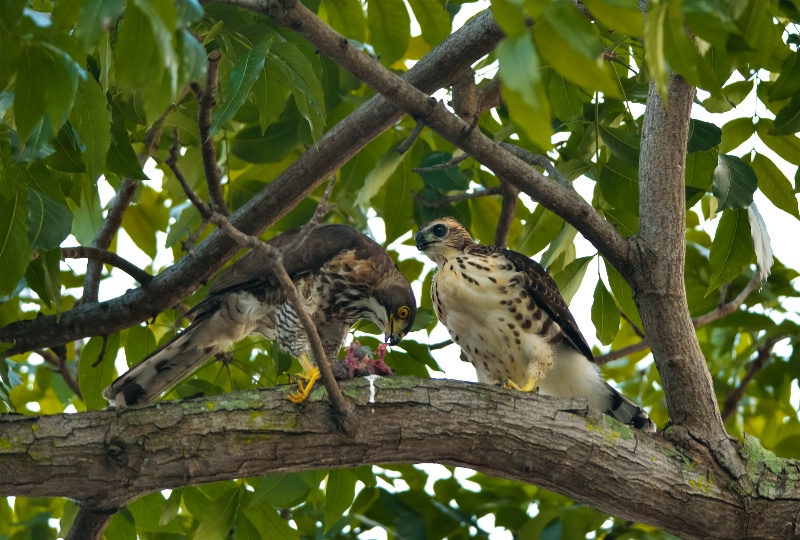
(377, 177)
(47, 80)
(734, 182)
(565, 98)
(120, 158)
(787, 121)
(682, 54)
(280, 139)
(280, 490)
(94, 18)
(605, 316)
(622, 143)
(619, 184)
(305, 85)
(67, 156)
(193, 57)
(49, 221)
(570, 278)
(788, 83)
(539, 230)
(654, 37)
(10, 46)
(623, 16)
(216, 523)
(41, 279)
(562, 241)
(700, 168)
(339, 495)
(13, 240)
(433, 19)
(571, 45)
(270, 525)
(389, 28)
(447, 179)
(96, 369)
(271, 90)
(140, 342)
(732, 248)
(347, 17)
(703, 136)
(787, 146)
(241, 80)
(736, 132)
(121, 526)
(523, 88)
(143, 220)
(774, 184)
(623, 294)
(90, 119)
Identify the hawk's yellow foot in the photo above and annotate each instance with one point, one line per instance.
(303, 390)
(529, 386)
(310, 375)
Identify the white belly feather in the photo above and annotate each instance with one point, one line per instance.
(498, 344)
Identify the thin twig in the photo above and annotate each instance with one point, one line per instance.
(456, 198)
(440, 345)
(343, 408)
(733, 399)
(207, 99)
(406, 144)
(107, 257)
(60, 364)
(507, 214)
(189, 243)
(698, 322)
(442, 166)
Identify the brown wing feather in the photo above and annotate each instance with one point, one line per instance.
(324, 243)
(545, 293)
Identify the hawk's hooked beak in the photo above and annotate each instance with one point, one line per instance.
(421, 241)
(393, 334)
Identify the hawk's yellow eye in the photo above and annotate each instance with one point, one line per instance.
(403, 312)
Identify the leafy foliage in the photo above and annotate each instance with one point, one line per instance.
(83, 81)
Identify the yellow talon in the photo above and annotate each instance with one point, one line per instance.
(530, 385)
(303, 390)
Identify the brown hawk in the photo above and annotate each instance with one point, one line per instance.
(342, 276)
(506, 313)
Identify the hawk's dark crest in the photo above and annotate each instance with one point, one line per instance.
(343, 277)
(506, 313)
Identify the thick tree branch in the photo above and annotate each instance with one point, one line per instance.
(463, 47)
(107, 257)
(658, 285)
(111, 457)
(507, 166)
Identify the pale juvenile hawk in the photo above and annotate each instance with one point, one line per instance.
(343, 277)
(506, 313)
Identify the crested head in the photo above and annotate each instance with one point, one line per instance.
(442, 239)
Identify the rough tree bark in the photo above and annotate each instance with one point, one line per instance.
(110, 457)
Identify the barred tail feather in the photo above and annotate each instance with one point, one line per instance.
(628, 412)
(163, 369)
